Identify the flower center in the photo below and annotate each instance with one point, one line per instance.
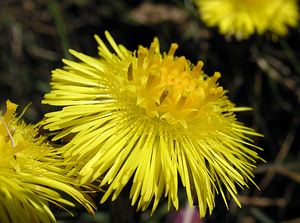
(169, 87)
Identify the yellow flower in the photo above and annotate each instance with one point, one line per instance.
(151, 117)
(30, 174)
(242, 18)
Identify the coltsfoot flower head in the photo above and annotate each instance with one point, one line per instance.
(244, 18)
(30, 174)
(154, 118)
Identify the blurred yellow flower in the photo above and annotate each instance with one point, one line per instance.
(30, 174)
(154, 118)
(242, 18)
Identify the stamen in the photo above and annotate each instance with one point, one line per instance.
(163, 96)
(9, 134)
(181, 64)
(130, 72)
(196, 72)
(172, 49)
(215, 77)
(153, 47)
(142, 53)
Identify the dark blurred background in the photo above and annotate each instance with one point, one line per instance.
(36, 34)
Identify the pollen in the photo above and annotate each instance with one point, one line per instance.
(170, 87)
